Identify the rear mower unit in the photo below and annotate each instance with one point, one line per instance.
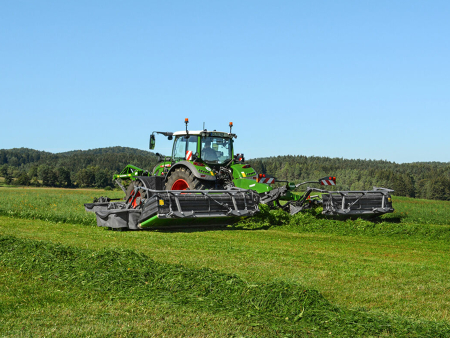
(204, 183)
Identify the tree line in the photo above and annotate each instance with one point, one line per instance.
(429, 180)
(79, 168)
(95, 168)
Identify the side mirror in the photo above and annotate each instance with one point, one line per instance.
(152, 141)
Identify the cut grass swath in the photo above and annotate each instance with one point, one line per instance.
(125, 274)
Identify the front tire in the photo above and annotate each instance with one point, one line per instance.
(183, 179)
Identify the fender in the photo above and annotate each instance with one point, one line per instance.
(156, 167)
(192, 168)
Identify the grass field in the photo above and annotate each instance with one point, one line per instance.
(302, 276)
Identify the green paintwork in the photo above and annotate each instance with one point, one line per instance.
(240, 172)
(199, 146)
(129, 172)
(245, 183)
(160, 168)
(290, 197)
(203, 170)
(155, 221)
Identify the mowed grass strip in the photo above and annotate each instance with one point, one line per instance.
(403, 277)
(31, 306)
(285, 308)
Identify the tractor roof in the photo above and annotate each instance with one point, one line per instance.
(192, 132)
(204, 133)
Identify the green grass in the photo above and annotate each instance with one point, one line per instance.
(51, 204)
(395, 275)
(33, 307)
(396, 267)
(420, 211)
(280, 308)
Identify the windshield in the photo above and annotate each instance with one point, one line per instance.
(216, 149)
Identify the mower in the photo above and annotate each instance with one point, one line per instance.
(204, 182)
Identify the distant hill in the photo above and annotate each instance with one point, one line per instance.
(95, 167)
(109, 150)
(112, 158)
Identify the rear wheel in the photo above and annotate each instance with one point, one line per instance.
(183, 179)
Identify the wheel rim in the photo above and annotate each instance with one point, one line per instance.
(180, 185)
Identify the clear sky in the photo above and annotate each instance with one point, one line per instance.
(351, 79)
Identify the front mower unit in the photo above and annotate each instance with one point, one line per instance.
(197, 207)
(178, 208)
(357, 203)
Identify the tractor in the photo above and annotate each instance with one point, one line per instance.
(205, 182)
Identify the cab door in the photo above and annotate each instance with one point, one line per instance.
(184, 147)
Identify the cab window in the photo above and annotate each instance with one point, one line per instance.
(184, 144)
(216, 149)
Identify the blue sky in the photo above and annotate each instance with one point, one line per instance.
(351, 79)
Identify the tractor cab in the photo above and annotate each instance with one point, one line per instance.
(199, 159)
(211, 147)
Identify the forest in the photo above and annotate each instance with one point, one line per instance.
(95, 167)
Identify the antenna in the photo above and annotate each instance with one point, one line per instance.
(203, 125)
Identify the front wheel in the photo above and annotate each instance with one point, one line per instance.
(183, 179)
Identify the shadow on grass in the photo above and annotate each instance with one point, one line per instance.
(373, 219)
(215, 228)
(395, 219)
(199, 228)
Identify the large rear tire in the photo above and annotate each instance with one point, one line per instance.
(183, 179)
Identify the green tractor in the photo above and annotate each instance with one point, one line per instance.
(205, 182)
(200, 160)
